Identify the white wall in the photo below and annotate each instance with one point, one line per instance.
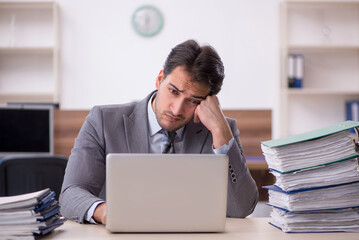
(104, 61)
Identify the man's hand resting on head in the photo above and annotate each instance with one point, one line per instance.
(209, 112)
(99, 214)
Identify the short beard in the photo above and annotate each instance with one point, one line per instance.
(158, 118)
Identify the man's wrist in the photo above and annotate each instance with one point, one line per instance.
(89, 215)
(224, 148)
(99, 214)
(221, 139)
(221, 134)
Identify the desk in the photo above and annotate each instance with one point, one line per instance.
(236, 229)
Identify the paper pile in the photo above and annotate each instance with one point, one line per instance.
(29, 215)
(317, 180)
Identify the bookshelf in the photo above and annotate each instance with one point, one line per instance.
(29, 52)
(326, 34)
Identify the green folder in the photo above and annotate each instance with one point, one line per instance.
(322, 132)
(315, 166)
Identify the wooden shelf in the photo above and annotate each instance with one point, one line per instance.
(31, 50)
(323, 3)
(26, 97)
(322, 48)
(304, 92)
(27, 5)
(25, 94)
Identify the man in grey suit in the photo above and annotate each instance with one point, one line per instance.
(185, 106)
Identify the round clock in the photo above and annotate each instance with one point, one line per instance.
(147, 20)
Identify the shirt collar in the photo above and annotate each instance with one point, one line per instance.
(154, 127)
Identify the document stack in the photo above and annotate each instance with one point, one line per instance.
(29, 216)
(317, 180)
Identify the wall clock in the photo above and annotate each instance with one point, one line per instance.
(147, 20)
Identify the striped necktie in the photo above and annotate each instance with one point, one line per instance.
(169, 148)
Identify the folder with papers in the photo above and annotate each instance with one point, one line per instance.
(322, 146)
(325, 175)
(337, 196)
(339, 220)
(316, 172)
(318, 133)
(28, 216)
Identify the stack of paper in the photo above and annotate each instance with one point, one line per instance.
(29, 215)
(317, 180)
(340, 220)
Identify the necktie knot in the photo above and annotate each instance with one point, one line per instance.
(169, 147)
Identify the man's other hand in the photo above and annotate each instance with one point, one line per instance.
(99, 214)
(209, 112)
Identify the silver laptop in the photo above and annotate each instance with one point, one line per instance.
(166, 192)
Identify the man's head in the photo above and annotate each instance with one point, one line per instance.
(202, 63)
(190, 74)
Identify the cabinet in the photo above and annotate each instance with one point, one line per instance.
(326, 34)
(29, 52)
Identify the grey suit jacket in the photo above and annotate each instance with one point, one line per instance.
(124, 129)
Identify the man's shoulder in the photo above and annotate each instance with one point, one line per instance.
(233, 124)
(137, 107)
(115, 109)
(231, 120)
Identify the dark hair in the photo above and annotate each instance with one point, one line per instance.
(201, 62)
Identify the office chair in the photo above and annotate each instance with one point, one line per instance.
(29, 173)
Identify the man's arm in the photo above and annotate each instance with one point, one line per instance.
(85, 171)
(242, 189)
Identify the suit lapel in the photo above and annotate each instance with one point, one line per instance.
(194, 137)
(136, 128)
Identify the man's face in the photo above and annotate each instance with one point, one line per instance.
(177, 98)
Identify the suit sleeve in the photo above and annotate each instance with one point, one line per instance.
(242, 189)
(85, 171)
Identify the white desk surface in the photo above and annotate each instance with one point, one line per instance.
(238, 229)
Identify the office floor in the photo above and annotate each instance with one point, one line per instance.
(261, 210)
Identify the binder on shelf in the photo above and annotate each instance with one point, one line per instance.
(291, 71)
(352, 111)
(299, 71)
(295, 70)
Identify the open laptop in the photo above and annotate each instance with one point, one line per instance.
(166, 192)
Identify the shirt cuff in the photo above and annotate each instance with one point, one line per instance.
(224, 148)
(91, 211)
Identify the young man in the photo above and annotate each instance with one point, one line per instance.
(185, 106)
